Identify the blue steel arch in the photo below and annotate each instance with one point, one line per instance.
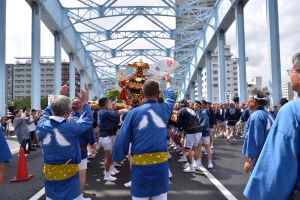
(203, 41)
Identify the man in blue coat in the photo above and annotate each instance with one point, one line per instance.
(146, 128)
(86, 138)
(61, 147)
(276, 175)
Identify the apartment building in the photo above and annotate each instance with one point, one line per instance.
(287, 91)
(231, 76)
(19, 76)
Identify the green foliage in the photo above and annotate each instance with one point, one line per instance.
(26, 102)
(176, 93)
(44, 103)
(22, 103)
(113, 94)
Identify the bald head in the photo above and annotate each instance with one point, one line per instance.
(77, 105)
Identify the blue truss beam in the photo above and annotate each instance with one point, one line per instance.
(156, 43)
(142, 34)
(157, 22)
(152, 58)
(90, 41)
(171, 4)
(109, 3)
(81, 19)
(92, 13)
(203, 17)
(128, 60)
(176, 53)
(126, 43)
(90, 3)
(122, 23)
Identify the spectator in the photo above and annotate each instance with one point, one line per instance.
(5, 127)
(275, 112)
(21, 130)
(32, 119)
(236, 99)
(282, 102)
(11, 108)
(160, 100)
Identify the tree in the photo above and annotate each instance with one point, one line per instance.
(22, 103)
(44, 103)
(114, 94)
(176, 93)
(26, 102)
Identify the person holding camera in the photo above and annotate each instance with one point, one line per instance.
(20, 127)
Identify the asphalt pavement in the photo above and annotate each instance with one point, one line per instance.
(228, 170)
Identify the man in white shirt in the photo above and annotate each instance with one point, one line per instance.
(31, 127)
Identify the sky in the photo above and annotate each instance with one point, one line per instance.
(18, 33)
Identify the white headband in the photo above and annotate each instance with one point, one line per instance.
(256, 97)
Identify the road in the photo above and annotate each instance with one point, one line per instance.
(227, 177)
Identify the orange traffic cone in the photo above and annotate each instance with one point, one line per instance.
(22, 174)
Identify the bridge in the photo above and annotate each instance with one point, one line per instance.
(98, 64)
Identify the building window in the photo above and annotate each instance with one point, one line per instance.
(215, 78)
(215, 72)
(228, 84)
(216, 85)
(228, 71)
(228, 64)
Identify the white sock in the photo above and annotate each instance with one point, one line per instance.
(191, 166)
(107, 173)
(199, 162)
(89, 148)
(209, 161)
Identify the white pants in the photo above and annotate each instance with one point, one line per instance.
(83, 164)
(159, 197)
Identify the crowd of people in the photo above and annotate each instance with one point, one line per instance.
(71, 131)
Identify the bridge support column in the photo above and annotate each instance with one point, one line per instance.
(240, 35)
(192, 91)
(90, 97)
(35, 56)
(57, 62)
(199, 84)
(222, 66)
(2, 55)
(82, 80)
(72, 71)
(208, 76)
(274, 52)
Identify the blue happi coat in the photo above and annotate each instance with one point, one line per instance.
(5, 153)
(257, 130)
(277, 171)
(60, 142)
(146, 128)
(88, 137)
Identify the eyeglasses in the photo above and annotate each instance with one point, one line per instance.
(290, 71)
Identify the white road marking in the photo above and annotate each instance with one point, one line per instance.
(217, 183)
(38, 195)
(15, 149)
